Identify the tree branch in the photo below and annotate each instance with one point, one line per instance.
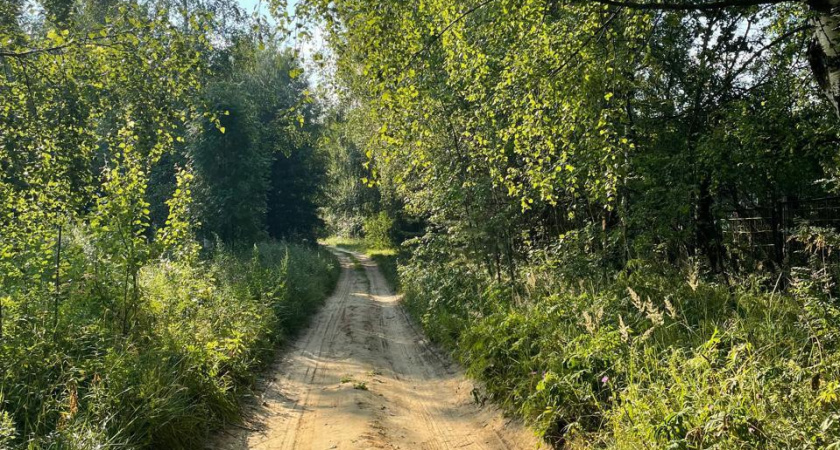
(461, 17)
(779, 40)
(449, 26)
(68, 44)
(586, 43)
(36, 50)
(691, 6)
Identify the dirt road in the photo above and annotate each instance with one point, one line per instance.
(363, 377)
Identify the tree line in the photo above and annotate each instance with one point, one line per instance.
(159, 184)
(627, 209)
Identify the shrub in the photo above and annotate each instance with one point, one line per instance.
(377, 230)
(646, 359)
(198, 331)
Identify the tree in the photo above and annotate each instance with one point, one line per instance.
(231, 168)
(558, 117)
(822, 51)
(349, 197)
(264, 174)
(289, 133)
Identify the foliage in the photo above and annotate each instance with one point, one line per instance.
(114, 330)
(609, 192)
(349, 196)
(259, 172)
(378, 229)
(648, 359)
(201, 331)
(507, 124)
(288, 114)
(232, 169)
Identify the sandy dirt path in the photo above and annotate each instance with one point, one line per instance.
(361, 377)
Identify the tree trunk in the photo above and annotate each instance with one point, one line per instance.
(707, 235)
(824, 49)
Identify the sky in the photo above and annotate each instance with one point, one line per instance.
(250, 5)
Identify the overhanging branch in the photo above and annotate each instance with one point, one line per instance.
(34, 51)
(690, 6)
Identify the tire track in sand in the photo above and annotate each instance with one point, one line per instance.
(362, 377)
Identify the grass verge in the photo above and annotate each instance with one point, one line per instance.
(169, 370)
(645, 359)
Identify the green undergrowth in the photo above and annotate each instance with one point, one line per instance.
(166, 371)
(648, 358)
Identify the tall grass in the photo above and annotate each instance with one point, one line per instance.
(198, 333)
(647, 358)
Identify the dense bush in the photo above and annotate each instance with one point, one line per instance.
(648, 358)
(197, 332)
(377, 230)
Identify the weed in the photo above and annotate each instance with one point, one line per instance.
(652, 358)
(198, 333)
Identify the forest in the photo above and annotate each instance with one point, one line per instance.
(619, 218)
